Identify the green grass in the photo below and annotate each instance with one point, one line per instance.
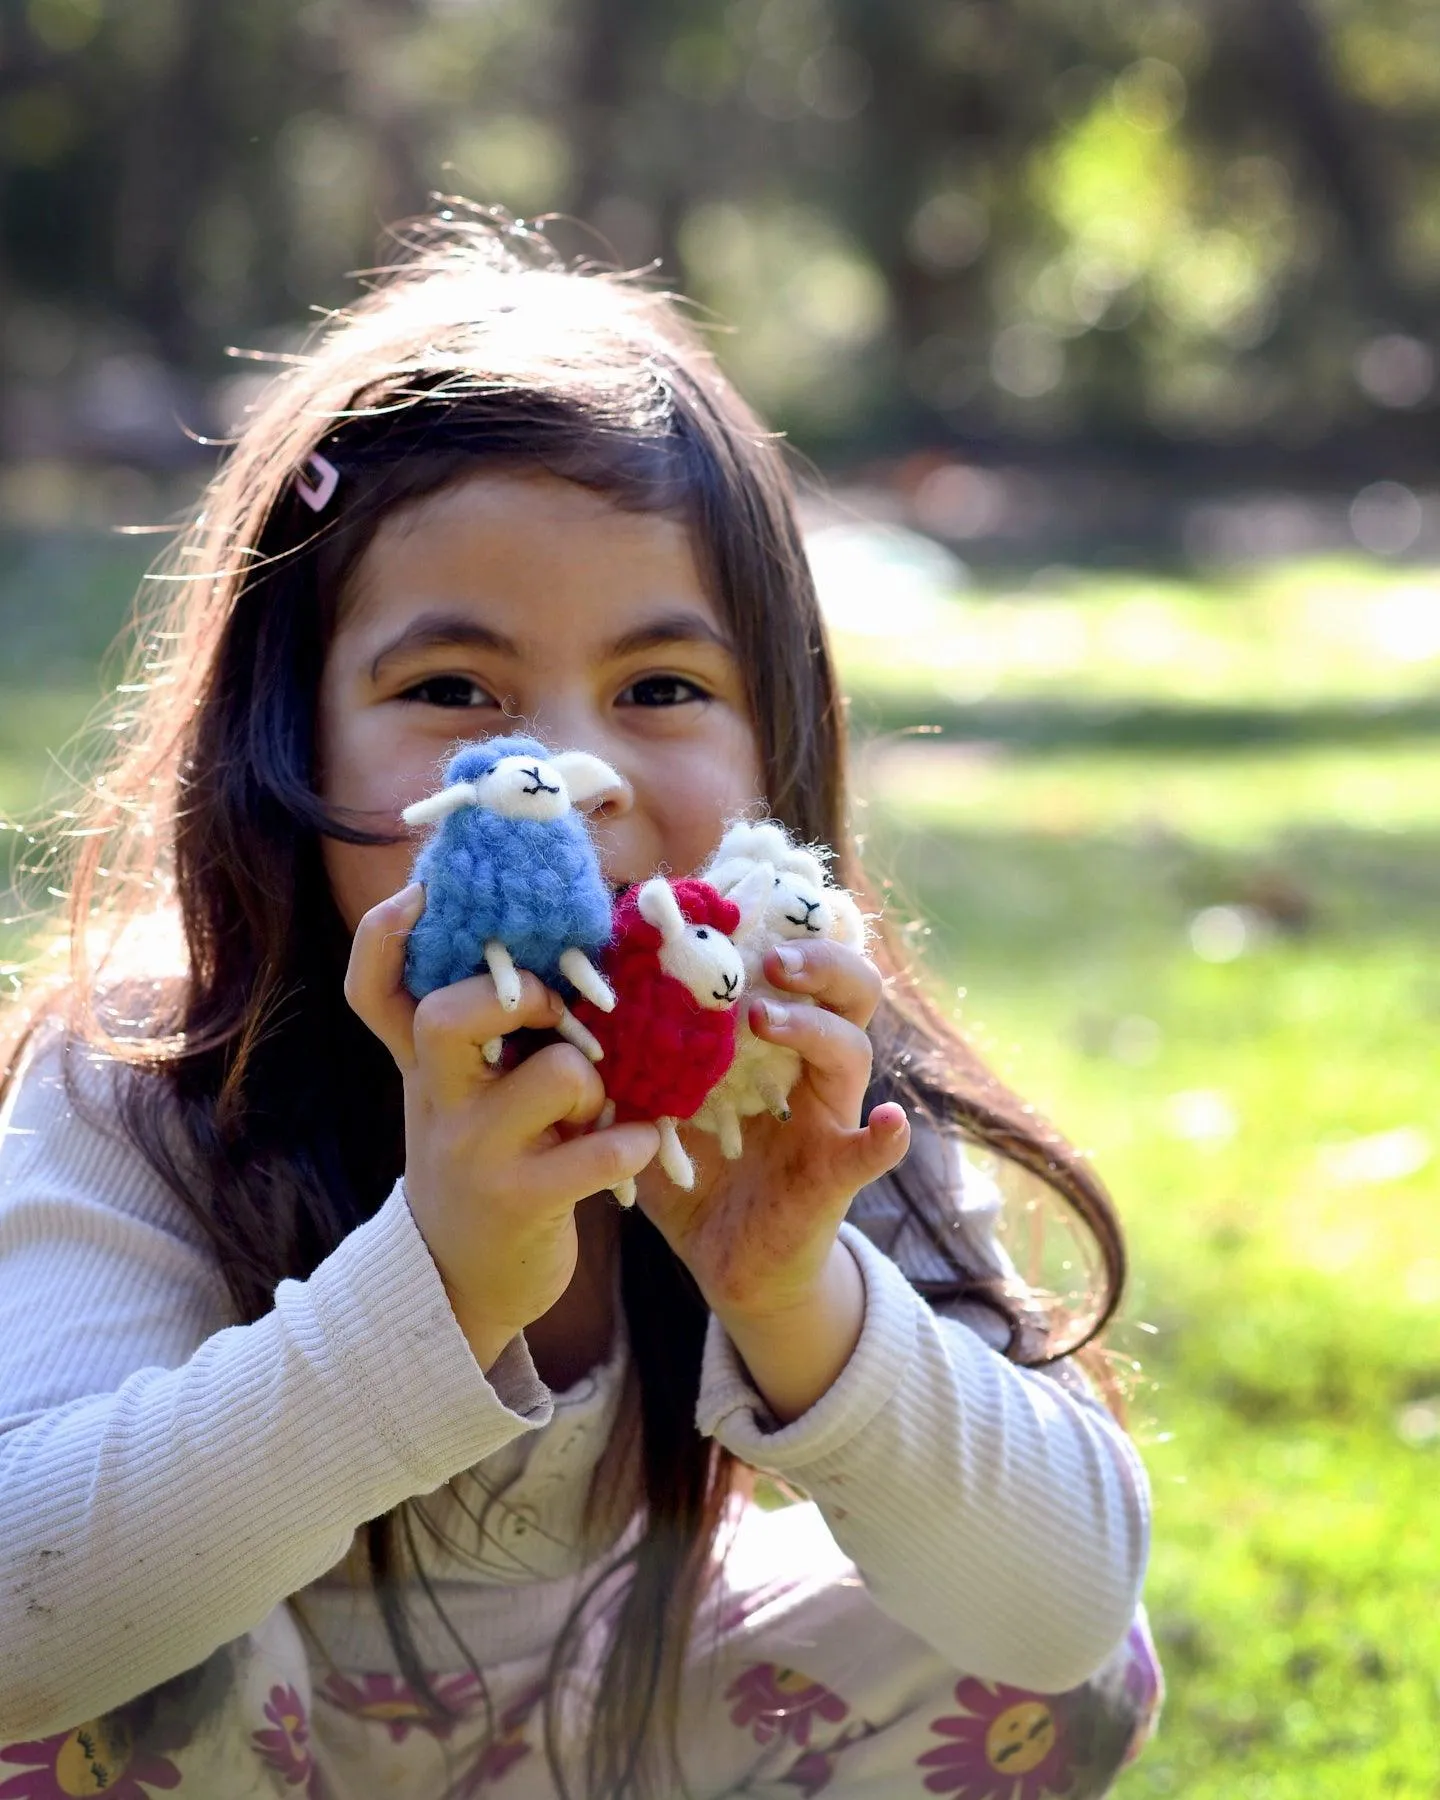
(1270, 1126)
(1288, 636)
(64, 597)
(1236, 1110)
(1180, 846)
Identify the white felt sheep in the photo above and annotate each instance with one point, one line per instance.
(783, 895)
(512, 880)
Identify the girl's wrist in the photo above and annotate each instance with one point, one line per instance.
(486, 1338)
(486, 1345)
(795, 1354)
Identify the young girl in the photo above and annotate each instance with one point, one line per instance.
(352, 1440)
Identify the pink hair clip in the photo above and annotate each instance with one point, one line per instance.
(317, 493)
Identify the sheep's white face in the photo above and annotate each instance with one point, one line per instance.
(797, 908)
(524, 787)
(707, 963)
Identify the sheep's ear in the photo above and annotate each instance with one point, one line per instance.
(806, 865)
(751, 893)
(658, 906)
(734, 841)
(440, 806)
(726, 873)
(588, 781)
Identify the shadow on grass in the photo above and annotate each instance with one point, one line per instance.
(1066, 724)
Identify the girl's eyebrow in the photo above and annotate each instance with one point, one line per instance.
(669, 628)
(449, 630)
(454, 630)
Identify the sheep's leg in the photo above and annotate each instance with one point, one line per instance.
(503, 973)
(624, 1191)
(727, 1129)
(673, 1160)
(586, 979)
(579, 1035)
(772, 1094)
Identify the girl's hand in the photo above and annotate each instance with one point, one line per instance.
(494, 1161)
(757, 1234)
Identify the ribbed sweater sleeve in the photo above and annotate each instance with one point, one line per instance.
(996, 1515)
(167, 1479)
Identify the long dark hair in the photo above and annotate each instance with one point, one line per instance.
(478, 350)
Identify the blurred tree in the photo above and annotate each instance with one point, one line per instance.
(1201, 223)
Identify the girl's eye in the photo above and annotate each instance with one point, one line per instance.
(448, 690)
(662, 690)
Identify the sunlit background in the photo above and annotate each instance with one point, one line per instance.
(1109, 329)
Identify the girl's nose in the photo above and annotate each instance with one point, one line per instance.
(565, 723)
(622, 832)
(618, 802)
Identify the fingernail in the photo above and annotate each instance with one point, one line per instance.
(409, 902)
(791, 959)
(775, 1014)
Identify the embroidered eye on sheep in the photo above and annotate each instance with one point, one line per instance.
(781, 890)
(512, 880)
(795, 902)
(677, 979)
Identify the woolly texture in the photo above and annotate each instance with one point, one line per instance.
(663, 1050)
(194, 1476)
(535, 885)
(798, 903)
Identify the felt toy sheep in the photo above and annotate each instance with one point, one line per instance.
(512, 880)
(782, 894)
(677, 979)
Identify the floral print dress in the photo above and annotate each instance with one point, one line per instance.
(798, 1685)
(176, 1481)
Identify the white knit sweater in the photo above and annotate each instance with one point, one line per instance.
(167, 1478)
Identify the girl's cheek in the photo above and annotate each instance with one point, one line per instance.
(362, 875)
(728, 783)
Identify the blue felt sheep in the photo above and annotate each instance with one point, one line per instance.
(512, 880)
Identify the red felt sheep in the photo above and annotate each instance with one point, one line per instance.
(677, 981)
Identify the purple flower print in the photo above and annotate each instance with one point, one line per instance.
(1144, 1688)
(98, 1757)
(781, 1703)
(286, 1745)
(1005, 1744)
(392, 1702)
(816, 1768)
(814, 1771)
(504, 1750)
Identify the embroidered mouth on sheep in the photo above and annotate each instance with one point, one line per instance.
(759, 866)
(512, 880)
(677, 979)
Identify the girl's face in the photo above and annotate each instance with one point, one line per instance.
(521, 602)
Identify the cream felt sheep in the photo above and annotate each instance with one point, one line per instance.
(783, 896)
